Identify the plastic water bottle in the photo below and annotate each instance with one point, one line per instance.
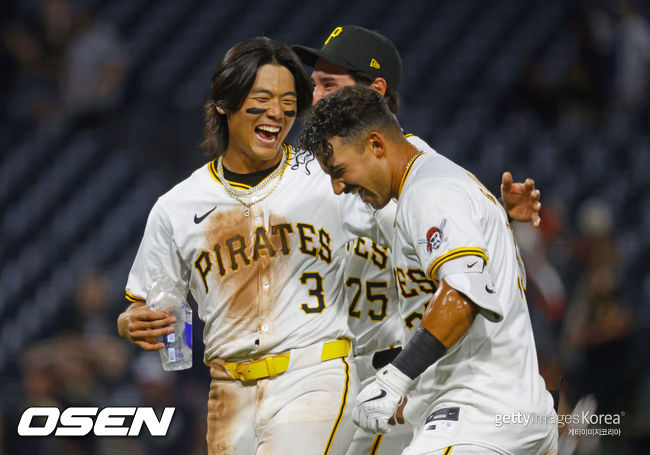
(164, 296)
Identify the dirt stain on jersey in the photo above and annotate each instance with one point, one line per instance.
(252, 276)
(238, 287)
(261, 391)
(223, 407)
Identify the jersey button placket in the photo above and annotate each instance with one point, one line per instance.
(263, 268)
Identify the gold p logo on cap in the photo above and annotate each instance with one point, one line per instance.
(336, 32)
(375, 64)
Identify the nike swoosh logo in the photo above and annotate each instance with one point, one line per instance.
(198, 219)
(488, 290)
(469, 266)
(382, 394)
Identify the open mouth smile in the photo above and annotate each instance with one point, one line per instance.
(267, 134)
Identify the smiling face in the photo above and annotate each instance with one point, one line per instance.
(258, 128)
(360, 167)
(327, 78)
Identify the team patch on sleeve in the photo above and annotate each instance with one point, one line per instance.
(434, 238)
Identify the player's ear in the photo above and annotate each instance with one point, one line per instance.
(380, 85)
(376, 144)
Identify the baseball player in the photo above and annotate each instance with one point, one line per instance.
(353, 55)
(473, 352)
(257, 241)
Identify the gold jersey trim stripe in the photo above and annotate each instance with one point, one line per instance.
(132, 298)
(213, 171)
(344, 400)
(448, 450)
(406, 172)
(240, 186)
(453, 254)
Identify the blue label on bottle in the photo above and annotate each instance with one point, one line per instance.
(188, 334)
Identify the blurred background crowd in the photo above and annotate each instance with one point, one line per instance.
(101, 113)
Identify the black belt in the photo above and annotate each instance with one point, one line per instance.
(382, 358)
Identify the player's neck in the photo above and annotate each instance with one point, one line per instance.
(403, 159)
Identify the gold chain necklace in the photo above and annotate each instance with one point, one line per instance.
(415, 155)
(239, 195)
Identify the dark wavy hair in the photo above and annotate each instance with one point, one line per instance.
(350, 113)
(233, 79)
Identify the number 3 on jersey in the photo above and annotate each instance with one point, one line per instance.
(315, 291)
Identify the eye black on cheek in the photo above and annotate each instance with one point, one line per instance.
(255, 110)
(290, 113)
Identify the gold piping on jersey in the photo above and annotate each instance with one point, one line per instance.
(453, 254)
(522, 288)
(448, 450)
(132, 298)
(375, 445)
(344, 400)
(240, 186)
(406, 172)
(213, 171)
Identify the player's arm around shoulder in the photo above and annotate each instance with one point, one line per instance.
(142, 327)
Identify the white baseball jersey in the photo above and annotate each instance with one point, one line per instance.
(367, 268)
(373, 304)
(266, 279)
(450, 226)
(414, 287)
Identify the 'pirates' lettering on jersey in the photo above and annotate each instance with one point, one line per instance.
(366, 249)
(234, 252)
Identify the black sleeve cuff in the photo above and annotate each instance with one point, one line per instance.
(422, 351)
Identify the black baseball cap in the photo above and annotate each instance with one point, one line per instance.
(359, 49)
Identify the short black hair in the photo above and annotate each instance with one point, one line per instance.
(349, 113)
(233, 79)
